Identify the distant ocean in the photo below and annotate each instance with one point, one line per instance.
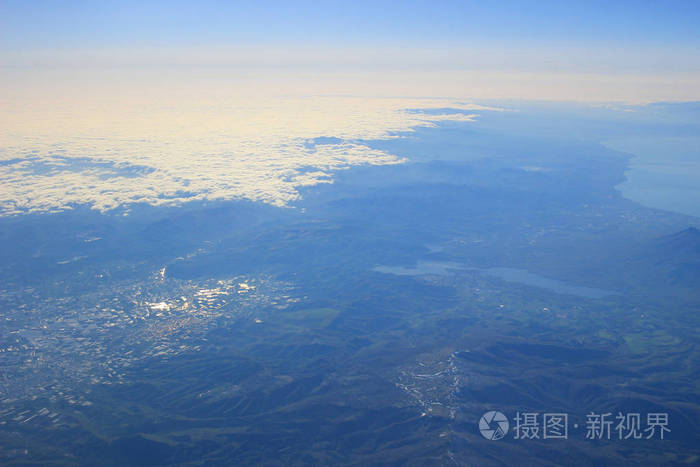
(664, 172)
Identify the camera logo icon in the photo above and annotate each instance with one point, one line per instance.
(493, 425)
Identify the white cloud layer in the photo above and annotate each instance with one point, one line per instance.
(113, 150)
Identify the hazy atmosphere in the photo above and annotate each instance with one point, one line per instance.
(332, 233)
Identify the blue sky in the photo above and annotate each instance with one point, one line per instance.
(49, 24)
(628, 50)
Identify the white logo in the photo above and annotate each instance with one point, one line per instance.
(493, 425)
